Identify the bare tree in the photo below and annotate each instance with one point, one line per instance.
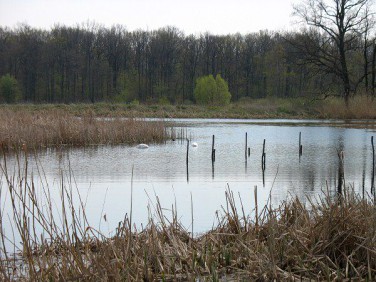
(338, 24)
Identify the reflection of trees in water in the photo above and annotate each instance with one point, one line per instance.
(309, 174)
(341, 163)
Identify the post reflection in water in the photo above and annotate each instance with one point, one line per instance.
(187, 160)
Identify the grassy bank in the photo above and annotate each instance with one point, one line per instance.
(27, 128)
(265, 108)
(360, 107)
(45, 125)
(333, 239)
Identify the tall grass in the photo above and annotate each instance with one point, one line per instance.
(329, 239)
(54, 128)
(359, 107)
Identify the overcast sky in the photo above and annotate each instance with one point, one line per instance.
(190, 16)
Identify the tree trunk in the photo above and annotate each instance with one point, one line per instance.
(373, 68)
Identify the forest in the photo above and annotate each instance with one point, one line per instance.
(91, 63)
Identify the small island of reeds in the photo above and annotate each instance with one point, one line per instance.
(57, 127)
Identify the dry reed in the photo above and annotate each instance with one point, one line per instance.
(55, 128)
(359, 107)
(333, 239)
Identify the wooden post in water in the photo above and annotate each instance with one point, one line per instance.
(341, 173)
(249, 151)
(300, 145)
(263, 157)
(263, 163)
(263, 177)
(246, 145)
(363, 183)
(187, 150)
(213, 150)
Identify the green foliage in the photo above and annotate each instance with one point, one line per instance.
(210, 91)
(135, 102)
(122, 97)
(9, 89)
(164, 101)
(161, 91)
(204, 89)
(223, 96)
(127, 89)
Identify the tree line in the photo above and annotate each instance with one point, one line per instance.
(91, 63)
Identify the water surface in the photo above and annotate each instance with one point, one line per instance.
(104, 175)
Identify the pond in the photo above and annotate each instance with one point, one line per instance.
(109, 178)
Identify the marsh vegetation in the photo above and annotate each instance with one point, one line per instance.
(118, 79)
(359, 107)
(55, 127)
(327, 238)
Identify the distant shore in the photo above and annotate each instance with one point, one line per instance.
(361, 107)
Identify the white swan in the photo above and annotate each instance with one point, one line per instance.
(142, 146)
(194, 144)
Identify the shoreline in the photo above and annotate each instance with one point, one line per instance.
(52, 125)
(360, 107)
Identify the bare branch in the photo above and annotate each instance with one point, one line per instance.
(341, 25)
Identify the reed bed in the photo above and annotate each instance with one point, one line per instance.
(359, 107)
(332, 239)
(29, 129)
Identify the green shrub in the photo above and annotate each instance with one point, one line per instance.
(121, 97)
(164, 101)
(212, 91)
(9, 89)
(135, 102)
